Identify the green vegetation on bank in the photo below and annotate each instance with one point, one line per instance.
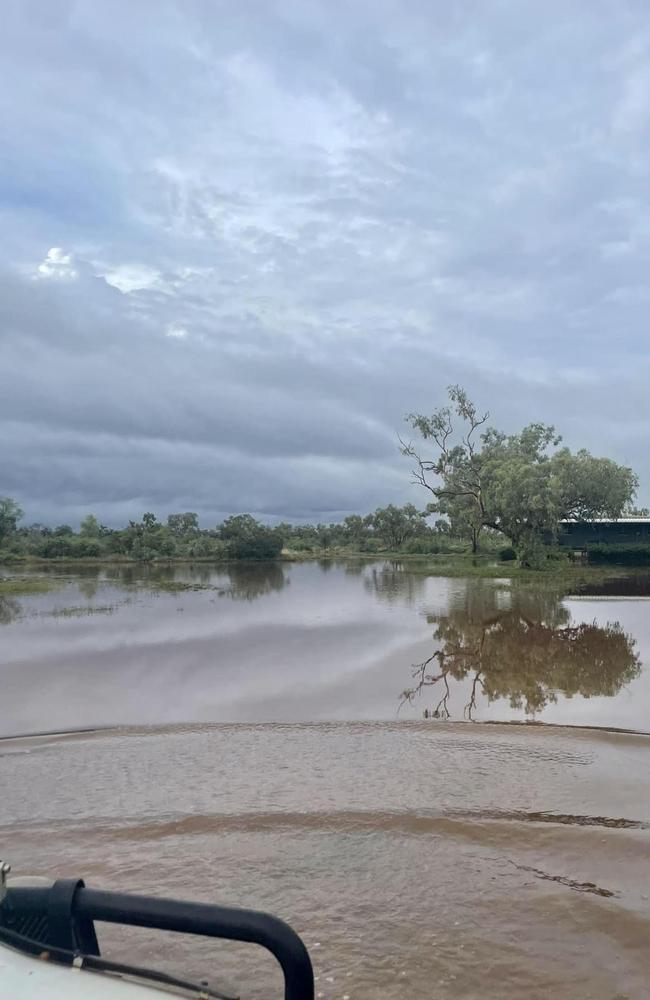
(401, 530)
(520, 485)
(619, 555)
(391, 532)
(489, 492)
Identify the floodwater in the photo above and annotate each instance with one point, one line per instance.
(261, 758)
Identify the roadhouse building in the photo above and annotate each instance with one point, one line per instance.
(624, 531)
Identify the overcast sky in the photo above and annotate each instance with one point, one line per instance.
(241, 240)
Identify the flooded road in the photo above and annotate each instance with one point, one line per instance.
(418, 858)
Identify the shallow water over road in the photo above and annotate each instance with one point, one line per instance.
(417, 857)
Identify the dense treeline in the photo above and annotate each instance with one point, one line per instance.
(391, 528)
(486, 488)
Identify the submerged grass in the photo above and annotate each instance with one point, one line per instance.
(24, 586)
(562, 575)
(83, 610)
(172, 586)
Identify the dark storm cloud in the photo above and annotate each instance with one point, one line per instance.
(239, 243)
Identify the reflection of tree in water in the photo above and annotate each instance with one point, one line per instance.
(392, 582)
(522, 647)
(163, 574)
(249, 581)
(88, 586)
(10, 609)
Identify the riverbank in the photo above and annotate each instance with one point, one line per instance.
(287, 555)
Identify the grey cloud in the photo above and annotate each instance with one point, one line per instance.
(337, 211)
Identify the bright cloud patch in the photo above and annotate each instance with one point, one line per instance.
(177, 332)
(131, 277)
(58, 265)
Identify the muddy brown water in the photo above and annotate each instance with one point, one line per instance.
(258, 758)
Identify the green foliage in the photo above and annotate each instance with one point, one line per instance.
(389, 529)
(265, 544)
(531, 550)
(507, 554)
(396, 525)
(238, 526)
(10, 515)
(27, 585)
(143, 540)
(182, 525)
(619, 555)
(557, 556)
(521, 485)
(355, 529)
(90, 527)
(426, 546)
(248, 539)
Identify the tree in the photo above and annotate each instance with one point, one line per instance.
(238, 526)
(90, 527)
(325, 535)
(143, 540)
(248, 539)
(183, 524)
(522, 484)
(356, 530)
(455, 475)
(395, 525)
(464, 518)
(10, 515)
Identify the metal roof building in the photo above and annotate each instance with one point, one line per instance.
(624, 530)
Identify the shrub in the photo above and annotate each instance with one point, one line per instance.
(371, 545)
(507, 554)
(300, 545)
(532, 552)
(85, 547)
(637, 554)
(557, 555)
(421, 547)
(55, 547)
(246, 538)
(262, 544)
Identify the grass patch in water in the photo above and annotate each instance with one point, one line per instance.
(562, 573)
(24, 586)
(83, 610)
(171, 586)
